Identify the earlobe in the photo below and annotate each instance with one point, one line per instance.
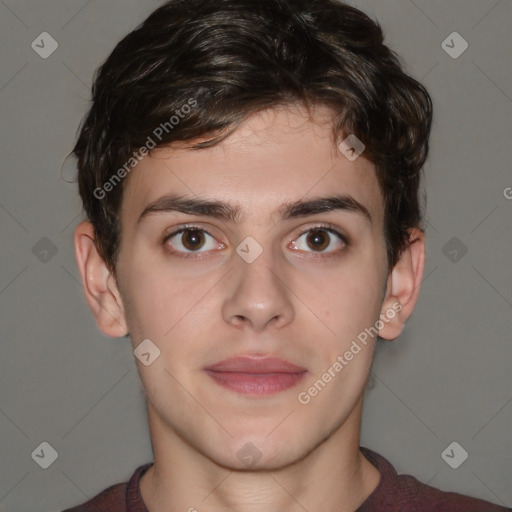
(100, 287)
(403, 286)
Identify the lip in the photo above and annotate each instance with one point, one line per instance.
(256, 376)
(251, 364)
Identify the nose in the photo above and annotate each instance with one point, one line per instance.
(259, 295)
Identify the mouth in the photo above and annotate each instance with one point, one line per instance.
(256, 376)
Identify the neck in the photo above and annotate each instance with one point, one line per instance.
(334, 476)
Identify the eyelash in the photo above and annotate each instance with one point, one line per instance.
(200, 255)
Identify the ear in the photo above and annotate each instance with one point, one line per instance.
(403, 286)
(99, 284)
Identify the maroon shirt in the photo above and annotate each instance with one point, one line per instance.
(395, 493)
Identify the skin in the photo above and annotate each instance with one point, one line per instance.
(294, 302)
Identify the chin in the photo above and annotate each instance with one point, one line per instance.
(259, 453)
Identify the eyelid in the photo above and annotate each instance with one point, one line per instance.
(326, 226)
(186, 227)
(330, 228)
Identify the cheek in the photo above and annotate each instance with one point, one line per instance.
(347, 299)
(154, 302)
(169, 308)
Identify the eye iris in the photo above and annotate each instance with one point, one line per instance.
(317, 236)
(192, 239)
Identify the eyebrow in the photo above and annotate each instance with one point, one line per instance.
(227, 212)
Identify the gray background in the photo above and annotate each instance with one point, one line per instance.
(447, 378)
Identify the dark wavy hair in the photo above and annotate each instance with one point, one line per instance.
(238, 57)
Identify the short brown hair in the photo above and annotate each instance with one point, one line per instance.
(234, 58)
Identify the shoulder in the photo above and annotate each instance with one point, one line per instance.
(122, 497)
(427, 498)
(112, 499)
(404, 493)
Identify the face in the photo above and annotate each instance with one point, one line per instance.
(256, 279)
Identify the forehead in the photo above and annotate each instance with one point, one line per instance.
(276, 156)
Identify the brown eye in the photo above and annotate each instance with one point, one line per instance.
(318, 239)
(192, 239)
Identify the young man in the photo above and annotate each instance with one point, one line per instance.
(250, 173)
